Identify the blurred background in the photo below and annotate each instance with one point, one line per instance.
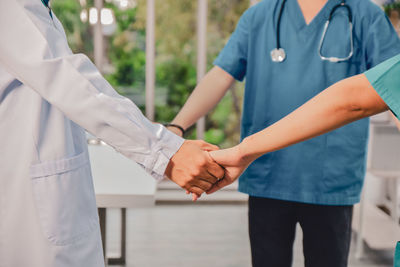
(122, 56)
(154, 52)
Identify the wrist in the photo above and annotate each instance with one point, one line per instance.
(176, 129)
(245, 153)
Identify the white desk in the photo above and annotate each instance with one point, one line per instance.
(119, 183)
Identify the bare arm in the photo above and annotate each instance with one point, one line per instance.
(205, 96)
(344, 102)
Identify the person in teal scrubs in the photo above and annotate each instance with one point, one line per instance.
(301, 184)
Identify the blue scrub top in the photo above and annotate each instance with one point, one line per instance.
(385, 78)
(328, 169)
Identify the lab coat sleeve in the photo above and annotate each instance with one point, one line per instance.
(36, 52)
(233, 58)
(382, 41)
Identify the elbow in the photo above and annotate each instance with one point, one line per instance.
(358, 110)
(348, 112)
(362, 100)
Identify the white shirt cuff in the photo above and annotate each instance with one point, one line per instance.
(162, 152)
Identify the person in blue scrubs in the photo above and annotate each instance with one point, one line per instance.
(360, 96)
(315, 183)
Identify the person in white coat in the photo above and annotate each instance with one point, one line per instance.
(48, 95)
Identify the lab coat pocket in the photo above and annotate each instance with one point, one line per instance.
(64, 198)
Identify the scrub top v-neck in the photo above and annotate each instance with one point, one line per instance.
(298, 19)
(328, 169)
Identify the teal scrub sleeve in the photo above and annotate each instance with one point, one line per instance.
(385, 78)
(233, 58)
(397, 256)
(382, 41)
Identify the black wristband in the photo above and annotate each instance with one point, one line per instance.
(176, 126)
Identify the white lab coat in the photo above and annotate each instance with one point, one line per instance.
(48, 215)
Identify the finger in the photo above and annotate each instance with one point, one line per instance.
(207, 146)
(220, 156)
(195, 197)
(206, 176)
(202, 184)
(210, 147)
(213, 189)
(212, 181)
(214, 155)
(196, 190)
(221, 184)
(187, 192)
(215, 169)
(206, 170)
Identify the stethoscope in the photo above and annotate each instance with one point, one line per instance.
(278, 54)
(46, 3)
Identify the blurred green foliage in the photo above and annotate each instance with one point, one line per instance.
(175, 55)
(78, 33)
(126, 50)
(392, 6)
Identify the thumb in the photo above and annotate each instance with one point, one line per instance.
(207, 146)
(221, 157)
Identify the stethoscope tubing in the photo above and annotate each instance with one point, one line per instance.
(336, 59)
(278, 30)
(331, 59)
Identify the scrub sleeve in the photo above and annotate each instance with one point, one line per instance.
(397, 256)
(385, 78)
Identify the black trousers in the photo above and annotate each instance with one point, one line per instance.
(272, 227)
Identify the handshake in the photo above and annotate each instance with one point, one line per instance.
(200, 167)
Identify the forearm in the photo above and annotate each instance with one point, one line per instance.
(204, 97)
(340, 104)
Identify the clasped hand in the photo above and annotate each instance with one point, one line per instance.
(200, 167)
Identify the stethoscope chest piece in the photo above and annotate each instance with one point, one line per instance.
(278, 55)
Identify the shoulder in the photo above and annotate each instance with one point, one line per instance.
(260, 11)
(365, 9)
